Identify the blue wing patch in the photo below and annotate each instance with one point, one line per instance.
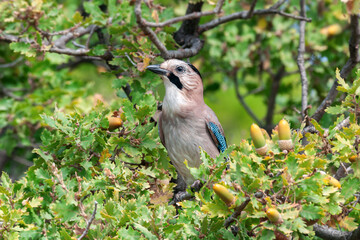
(217, 136)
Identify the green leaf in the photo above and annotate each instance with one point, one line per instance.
(317, 126)
(86, 141)
(267, 234)
(348, 187)
(77, 18)
(344, 87)
(311, 212)
(65, 235)
(335, 110)
(145, 231)
(23, 48)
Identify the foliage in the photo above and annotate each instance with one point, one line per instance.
(76, 166)
(45, 104)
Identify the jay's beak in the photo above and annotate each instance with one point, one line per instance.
(156, 69)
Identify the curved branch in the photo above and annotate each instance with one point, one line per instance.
(89, 222)
(242, 101)
(59, 45)
(190, 16)
(329, 233)
(11, 64)
(346, 70)
(301, 61)
(236, 213)
(148, 31)
(244, 15)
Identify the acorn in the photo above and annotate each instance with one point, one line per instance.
(353, 158)
(332, 181)
(114, 122)
(224, 194)
(285, 142)
(274, 216)
(258, 139)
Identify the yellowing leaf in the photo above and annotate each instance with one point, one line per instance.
(141, 66)
(155, 15)
(344, 86)
(348, 223)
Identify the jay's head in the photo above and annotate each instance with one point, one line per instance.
(179, 77)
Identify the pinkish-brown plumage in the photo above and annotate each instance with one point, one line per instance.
(183, 123)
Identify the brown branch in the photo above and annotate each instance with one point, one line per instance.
(346, 70)
(301, 61)
(78, 32)
(190, 16)
(59, 45)
(148, 31)
(11, 38)
(328, 233)
(242, 101)
(271, 101)
(11, 64)
(244, 15)
(236, 213)
(89, 222)
(251, 10)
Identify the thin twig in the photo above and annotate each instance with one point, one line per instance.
(90, 35)
(346, 70)
(89, 222)
(251, 10)
(130, 60)
(78, 44)
(190, 16)
(236, 213)
(272, 98)
(301, 61)
(244, 15)
(148, 31)
(11, 64)
(242, 101)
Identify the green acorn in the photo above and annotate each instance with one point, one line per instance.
(258, 139)
(224, 194)
(285, 142)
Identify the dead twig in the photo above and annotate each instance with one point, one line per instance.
(89, 222)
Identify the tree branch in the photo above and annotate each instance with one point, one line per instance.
(11, 64)
(89, 222)
(59, 45)
(328, 233)
(236, 213)
(148, 31)
(245, 14)
(242, 101)
(271, 101)
(346, 70)
(301, 61)
(190, 16)
(251, 10)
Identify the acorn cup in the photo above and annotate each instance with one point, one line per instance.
(258, 139)
(224, 194)
(285, 142)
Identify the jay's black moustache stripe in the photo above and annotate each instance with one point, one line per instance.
(175, 80)
(195, 69)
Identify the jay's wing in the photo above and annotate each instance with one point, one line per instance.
(217, 135)
(161, 134)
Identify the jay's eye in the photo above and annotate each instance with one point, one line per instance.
(180, 69)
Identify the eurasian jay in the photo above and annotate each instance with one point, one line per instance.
(186, 122)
